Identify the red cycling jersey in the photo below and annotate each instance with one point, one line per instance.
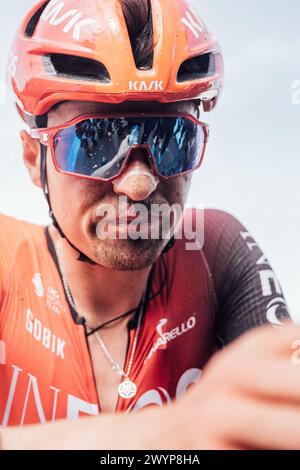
(207, 297)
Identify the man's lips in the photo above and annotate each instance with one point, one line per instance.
(123, 220)
(146, 225)
(154, 214)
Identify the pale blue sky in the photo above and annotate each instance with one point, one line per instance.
(252, 165)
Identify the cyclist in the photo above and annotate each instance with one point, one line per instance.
(100, 324)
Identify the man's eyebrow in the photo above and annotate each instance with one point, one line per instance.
(189, 106)
(56, 106)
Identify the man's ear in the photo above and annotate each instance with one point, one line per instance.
(31, 156)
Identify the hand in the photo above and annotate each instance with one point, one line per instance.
(247, 398)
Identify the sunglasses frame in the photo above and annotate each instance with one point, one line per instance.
(46, 137)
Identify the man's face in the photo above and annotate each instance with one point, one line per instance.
(76, 201)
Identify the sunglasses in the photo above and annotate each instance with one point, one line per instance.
(98, 147)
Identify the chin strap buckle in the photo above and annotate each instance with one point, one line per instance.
(85, 259)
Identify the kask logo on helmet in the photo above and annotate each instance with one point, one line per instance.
(80, 22)
(56, 14)
(155, 85)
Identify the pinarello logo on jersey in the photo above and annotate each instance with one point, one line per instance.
(166, 337)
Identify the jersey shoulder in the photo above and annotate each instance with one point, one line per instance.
(224, 242)
(13, 232)
(222, 224)
(212, 224)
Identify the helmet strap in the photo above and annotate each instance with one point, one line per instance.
(44, 182)
(169, 245)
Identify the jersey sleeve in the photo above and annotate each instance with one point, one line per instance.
(247, 291)
(12, 233)
(5, 239)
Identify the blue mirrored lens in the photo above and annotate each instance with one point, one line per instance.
(176, 144)
(98, 147)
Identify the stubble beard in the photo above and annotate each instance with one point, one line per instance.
(129, 255)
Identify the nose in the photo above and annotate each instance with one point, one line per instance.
(138, 181)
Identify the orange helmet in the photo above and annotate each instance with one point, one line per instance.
(81, 50)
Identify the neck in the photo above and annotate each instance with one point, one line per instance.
(99, 294)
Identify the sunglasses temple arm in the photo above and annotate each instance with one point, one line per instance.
(42, 136)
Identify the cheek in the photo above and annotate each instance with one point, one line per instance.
(176, 190)
(71, 196)
(61, 189)
(185, 185)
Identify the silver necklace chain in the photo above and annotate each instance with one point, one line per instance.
(127, 388)
(116, 366)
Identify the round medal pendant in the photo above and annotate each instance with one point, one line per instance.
(127, 389)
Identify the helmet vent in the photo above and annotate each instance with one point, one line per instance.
(33, 22)
(202, 66)
(76, 68)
